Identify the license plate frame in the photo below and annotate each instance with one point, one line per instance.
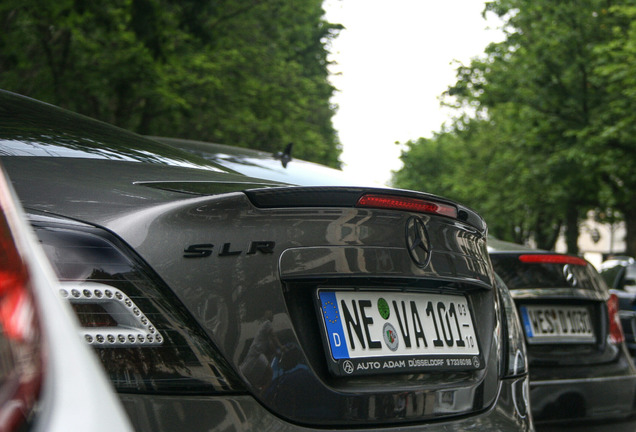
(363, 319)
(557, 324)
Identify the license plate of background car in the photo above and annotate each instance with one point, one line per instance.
(373, 332)
(557, 324)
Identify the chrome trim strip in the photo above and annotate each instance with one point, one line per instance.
(557, 293)
(133, 326)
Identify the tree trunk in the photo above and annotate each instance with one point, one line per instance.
(630, 228)
(572, 230)
(143, 127)
(546, 232)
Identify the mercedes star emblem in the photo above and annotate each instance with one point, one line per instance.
(417, 241)
(569, 275)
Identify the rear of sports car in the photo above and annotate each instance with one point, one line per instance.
(580, 369)
(222, 302)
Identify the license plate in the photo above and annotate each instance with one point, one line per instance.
(372, 332)
(557, 324)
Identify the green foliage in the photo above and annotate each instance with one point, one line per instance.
(251, 73)
(553, 122)
(482, 163)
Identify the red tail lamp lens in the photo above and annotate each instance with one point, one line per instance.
(406, 203)
(17, 316)
(616, 330)
(21, 365)
(552, 259)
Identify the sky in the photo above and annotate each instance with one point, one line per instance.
(393, 61)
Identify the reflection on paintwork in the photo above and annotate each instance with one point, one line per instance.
(342, 260)
(35, 147)
(241, 413)
(259, 164)
(64, 134)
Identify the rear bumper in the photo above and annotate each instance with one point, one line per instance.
(243, 413)
(584, 399)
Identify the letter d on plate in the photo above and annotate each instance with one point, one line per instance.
(333, 322)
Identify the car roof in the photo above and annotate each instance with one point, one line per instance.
(624, 261)
(278, 166)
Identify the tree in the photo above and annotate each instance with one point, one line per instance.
(250, 73)
(481, 163)
(611, 136)
(540, 94)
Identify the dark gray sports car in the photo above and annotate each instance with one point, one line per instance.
(218, 301)
(580, 368)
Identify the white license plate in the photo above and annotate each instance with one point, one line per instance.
(375, 332)
(557, 324)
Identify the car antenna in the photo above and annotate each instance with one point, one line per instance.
(285, 155)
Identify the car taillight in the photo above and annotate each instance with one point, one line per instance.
(147, 341)
(552, 259)
(616, 329)
(406, 203)
(514, 361)
(21, 358)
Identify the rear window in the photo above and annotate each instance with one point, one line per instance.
(519, 275)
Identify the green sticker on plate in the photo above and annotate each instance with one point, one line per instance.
(383, 308)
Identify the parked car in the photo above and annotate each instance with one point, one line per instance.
(49, 379)
(220, 301)
(580, 369)
(619, 274)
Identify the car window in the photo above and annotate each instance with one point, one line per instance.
(295, 172)
(519, 275)
(263, 165)
(613, 275)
